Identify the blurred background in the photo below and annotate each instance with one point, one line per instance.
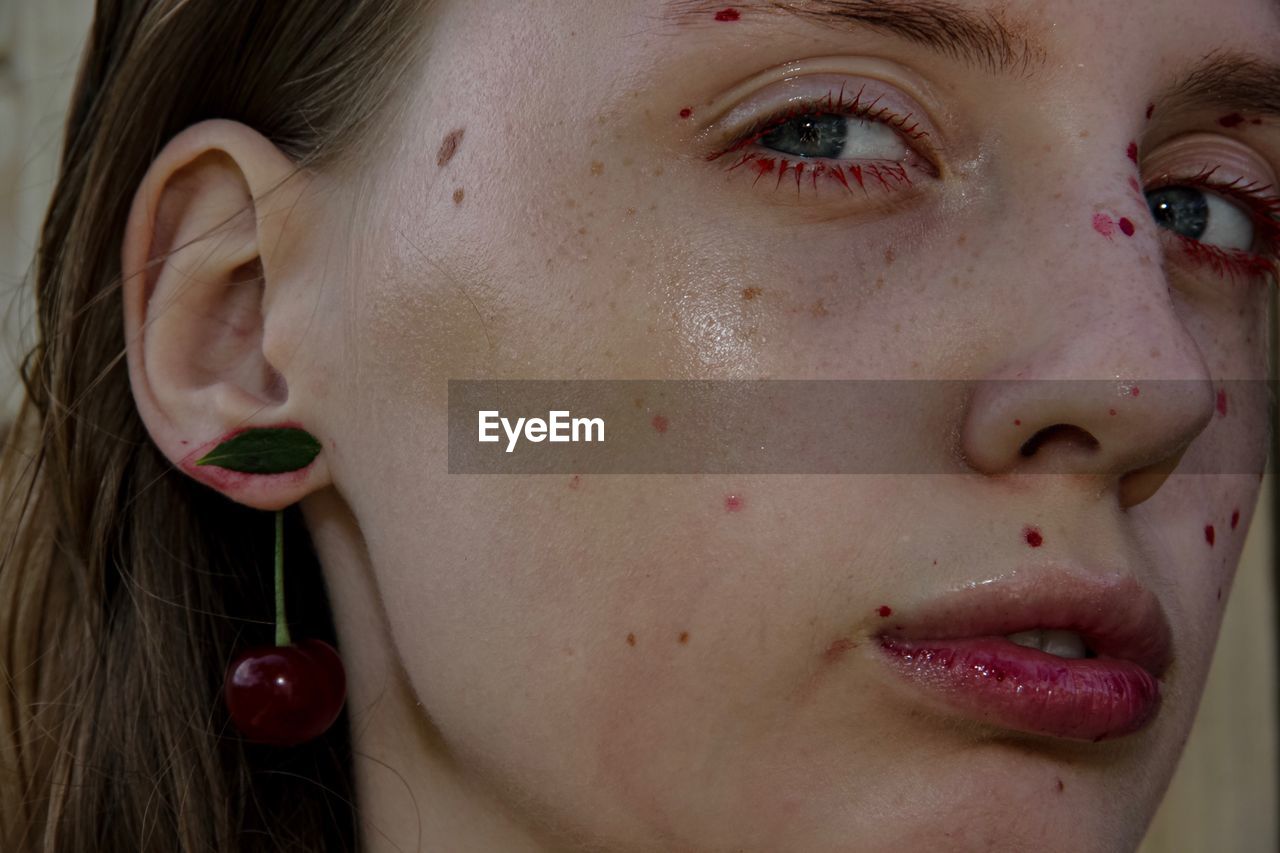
(1225, 796)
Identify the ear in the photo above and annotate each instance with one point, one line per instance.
(211, 276)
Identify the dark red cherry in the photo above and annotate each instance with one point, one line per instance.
(286, 695)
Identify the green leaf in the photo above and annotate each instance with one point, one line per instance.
(265, 450)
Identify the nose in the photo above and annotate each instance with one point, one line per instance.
(1106, 382)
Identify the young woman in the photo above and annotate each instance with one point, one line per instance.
(314, 215)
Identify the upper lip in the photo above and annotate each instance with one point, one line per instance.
(1115, 614)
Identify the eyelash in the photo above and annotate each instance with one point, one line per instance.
(888, 174)
(1263, 209)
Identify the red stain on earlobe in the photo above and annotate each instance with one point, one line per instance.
(1222, 402)
(1235, 519)
(1103, 225)
(1132, 151)
(1208, 534)
(837, 649)
(732, 503)
(1033, 536)
(686, 112)
(227, 480)
(1126, 226)
(885, 611)
(728, 14)
(1231, 120)
(660, 423)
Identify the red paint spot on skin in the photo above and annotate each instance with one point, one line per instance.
(1222, 402)
(1103, 225)
(1235, 519)
(686, 112)
(1151, 108)
(1033, 536)
(1112, 412)
(631, 639)
(729, 14)
(1132, 151)
(1135, 186)
(1231, 120)
(1208, 534)
(575, 482)
(1126, 226)
(837, 649)
(1134, 391)
(885, 611)
(732, 503)
(660, 423)
(1017, 422)
(684, 636)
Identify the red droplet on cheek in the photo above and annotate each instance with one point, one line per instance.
(1033, 536)
(729, 14)
(1235, 519)
(1132, 151)
(1208, 534)
(1222, 402)
(885, 611)
(686, 112)
(1231, 120)
(1103, 224)
(732, 503)
(660, 423)
(1126, 226)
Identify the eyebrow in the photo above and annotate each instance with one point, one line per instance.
(1230, 81)
(980, 38)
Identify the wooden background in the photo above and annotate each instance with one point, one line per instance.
(1224, 797)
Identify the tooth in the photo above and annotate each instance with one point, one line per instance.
(1064, 644)
(1030, 639)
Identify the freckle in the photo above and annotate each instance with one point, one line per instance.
(962, 239)
(575, 482)
(631, 211)
(1231, 120)
(749, 293)
(638, 402)
(449, 146)
(458, 195)
(1208, 534)
(1126, 226)
(1235, 519)
(838, 647)
(885, 611)
(889, 256)
(935, 562)
(570, 203)
(818, 309)
(1103, 224)
(1151, 108)
(582, 230)
(657, 173)
(597, 168)
(631, 639)
(732, 503)
(684, 636)
(1084, 134)
(728, 14)
(1060, 786)
(1222, 402)
(1132, 151)
(1033, 536)
(686, 112)
(659, 423)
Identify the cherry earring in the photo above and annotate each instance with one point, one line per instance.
(289, 693)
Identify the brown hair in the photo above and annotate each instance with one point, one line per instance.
(122, 596)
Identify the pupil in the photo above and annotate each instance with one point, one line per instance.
(1182, 210)
(809, 136)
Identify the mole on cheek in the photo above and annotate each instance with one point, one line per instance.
(728, 14)
(631, 639)
(449, 146)
(458, 195)
(684, 636)
(1033, 536)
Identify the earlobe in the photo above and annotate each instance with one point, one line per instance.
(207, 276)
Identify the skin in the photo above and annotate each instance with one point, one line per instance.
(496, 701)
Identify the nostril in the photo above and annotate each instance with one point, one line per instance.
(1065, 433)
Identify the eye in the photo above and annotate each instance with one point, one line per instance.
(1203, 216)
(835, 137)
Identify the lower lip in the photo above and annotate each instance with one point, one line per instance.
(995, 681)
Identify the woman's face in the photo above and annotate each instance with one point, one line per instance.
(694, 661)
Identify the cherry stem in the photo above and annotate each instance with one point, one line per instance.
(282, 625)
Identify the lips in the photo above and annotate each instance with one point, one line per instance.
(957, 651)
